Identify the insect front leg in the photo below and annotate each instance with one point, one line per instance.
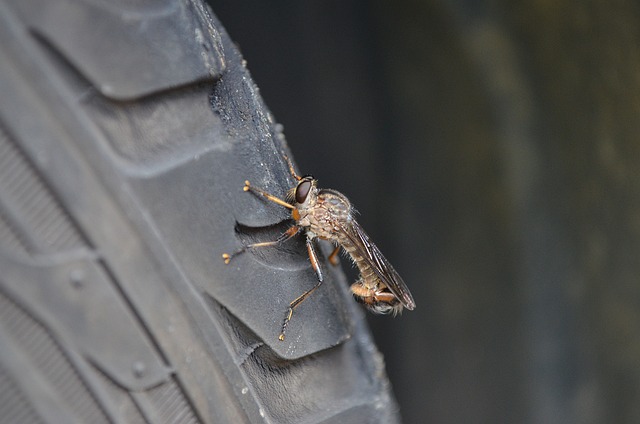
(291, 170)
(292, 231)
(271, 197)
(315, 264)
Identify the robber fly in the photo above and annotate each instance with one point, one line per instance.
(328, 215)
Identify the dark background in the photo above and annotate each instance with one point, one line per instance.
(493, 151)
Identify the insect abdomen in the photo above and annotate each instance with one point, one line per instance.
(368, 276)
(369, 290)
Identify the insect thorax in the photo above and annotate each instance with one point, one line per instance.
(331, 212)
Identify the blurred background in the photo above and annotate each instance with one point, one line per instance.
(493, 150)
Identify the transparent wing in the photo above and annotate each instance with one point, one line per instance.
(380, 265)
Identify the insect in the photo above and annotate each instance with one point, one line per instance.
(328, 215)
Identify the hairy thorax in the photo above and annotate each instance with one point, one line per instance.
(324, 218)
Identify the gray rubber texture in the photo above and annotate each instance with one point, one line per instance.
(127, 130)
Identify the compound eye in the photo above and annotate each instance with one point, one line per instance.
(302, 191)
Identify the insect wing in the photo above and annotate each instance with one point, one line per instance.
(380, 265)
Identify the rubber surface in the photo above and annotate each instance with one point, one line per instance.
(127, 130)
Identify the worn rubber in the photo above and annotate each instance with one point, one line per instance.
(127, 130)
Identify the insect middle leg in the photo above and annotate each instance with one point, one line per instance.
(333, 257)
(292, 231)
(315, 264)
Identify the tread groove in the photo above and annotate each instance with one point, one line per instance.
(13, 404)
(122, 398)
(46, 355)
(39, 212)
(171, 405)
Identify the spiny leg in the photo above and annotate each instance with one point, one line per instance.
(333, 259)
(293, 172)
(313, 257)
(292, 231)
(274, 199)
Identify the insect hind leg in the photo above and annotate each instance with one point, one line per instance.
(313, 258)
(293, 305)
